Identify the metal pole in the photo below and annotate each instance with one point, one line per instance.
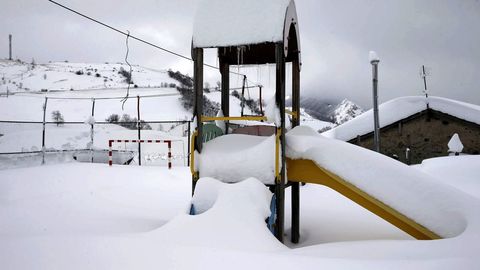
(138, 128)
(91, 129)
(10, 47)
(188, 144)
(43, 132)
(376, 131)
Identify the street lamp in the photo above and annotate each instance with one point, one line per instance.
(374, 60)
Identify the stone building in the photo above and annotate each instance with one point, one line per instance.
(411, 131)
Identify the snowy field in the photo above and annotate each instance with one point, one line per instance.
(90, 216)
(71, 215)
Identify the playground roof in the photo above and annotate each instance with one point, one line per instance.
(400, 108)
(227, 23)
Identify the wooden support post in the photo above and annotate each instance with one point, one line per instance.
(189, 133)
(280, 101)
(260, 100)
(139, 134)
(43, 132)
(296, 91)
(198, 110)
(295, 232)
(225, 73)
(92, 129)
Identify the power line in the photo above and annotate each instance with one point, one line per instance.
(136, 38)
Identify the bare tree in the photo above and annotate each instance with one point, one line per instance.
(57, 118)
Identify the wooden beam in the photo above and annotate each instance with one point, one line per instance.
(280, 101)
(198, 110)
(225, 102)
(233, 118)
(296, 91)
(295, 190)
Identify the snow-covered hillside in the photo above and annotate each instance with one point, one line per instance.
(336, 113)
(60, 76)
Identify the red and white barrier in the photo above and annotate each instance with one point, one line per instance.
(168, 142)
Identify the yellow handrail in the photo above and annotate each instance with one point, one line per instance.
(233, 118)
(192, 153)
(292, 113)
(277, 154)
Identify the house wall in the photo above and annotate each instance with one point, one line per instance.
(427, 136)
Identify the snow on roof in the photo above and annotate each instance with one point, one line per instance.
(401, 108)
(220, 23)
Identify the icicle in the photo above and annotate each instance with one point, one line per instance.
(238, 60)
(269, 81)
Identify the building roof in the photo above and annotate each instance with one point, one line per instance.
(400, 108)
(223, 23)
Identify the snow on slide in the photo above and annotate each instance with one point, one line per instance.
(441, 208)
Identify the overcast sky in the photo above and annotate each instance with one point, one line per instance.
(336, 37)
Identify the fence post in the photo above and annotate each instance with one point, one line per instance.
(91, 129)
(188, 144)
(43, 132)
(138, 128)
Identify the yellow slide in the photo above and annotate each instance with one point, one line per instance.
(302, 170)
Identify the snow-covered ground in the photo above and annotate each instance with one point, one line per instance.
(462, 172)
(91, 216)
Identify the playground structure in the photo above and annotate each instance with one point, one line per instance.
(284, 48)
(262, 49)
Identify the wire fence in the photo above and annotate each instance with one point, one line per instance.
(87, 140)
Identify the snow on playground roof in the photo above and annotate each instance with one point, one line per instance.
(221, 23)
(401, 108)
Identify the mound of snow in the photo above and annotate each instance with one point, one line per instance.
(232, 216)
(235, 157)
(455, 145)
(458, 171)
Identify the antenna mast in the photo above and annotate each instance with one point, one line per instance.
(424, 73)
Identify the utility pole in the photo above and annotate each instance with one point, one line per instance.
(10, 47)
(374, 60)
